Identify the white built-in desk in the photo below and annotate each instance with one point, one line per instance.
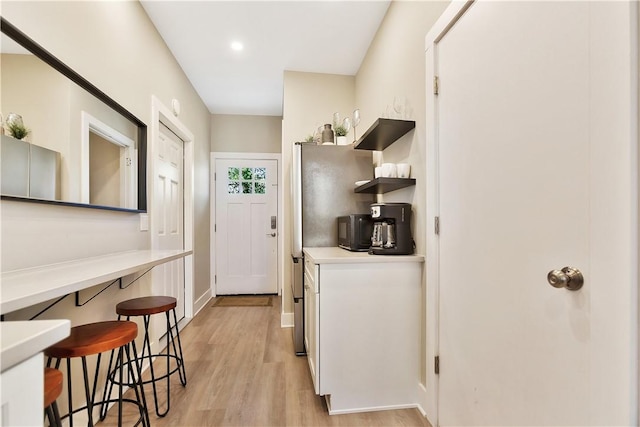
(23, 288)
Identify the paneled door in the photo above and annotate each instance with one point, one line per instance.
(169, 213)
(246, 226)
(535, 175)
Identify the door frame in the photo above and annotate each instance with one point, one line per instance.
(212, 211)
(129, 179)
(161, 114)
(432, 302)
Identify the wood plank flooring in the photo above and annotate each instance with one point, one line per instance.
(242, 371)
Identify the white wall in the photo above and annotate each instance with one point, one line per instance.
(246, 134)
(115, 47)
(310, 100)
(394, 68)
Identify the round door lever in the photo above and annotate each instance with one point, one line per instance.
(569, 277)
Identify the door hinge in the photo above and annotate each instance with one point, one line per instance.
(436, 85)
(436, 225)
(436, 365)
(215, 178)
(215, 228)
(215, 279)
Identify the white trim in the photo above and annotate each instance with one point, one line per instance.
(429, 397)
(286, 320)
(432, 317)
(129, 181)
(368, 408)
(201, 302)
(160, 113)
(421, 393)
(212, 212)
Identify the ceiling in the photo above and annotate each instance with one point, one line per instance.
(312, 36)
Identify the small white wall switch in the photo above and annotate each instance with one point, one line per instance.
(144, 222)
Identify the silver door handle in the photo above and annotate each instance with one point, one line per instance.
(569, 277)
(271, 234)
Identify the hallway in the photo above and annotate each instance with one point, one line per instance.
(242, 372)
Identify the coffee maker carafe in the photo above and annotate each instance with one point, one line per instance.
(391, 229)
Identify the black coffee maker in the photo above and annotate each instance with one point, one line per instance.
(391, 229)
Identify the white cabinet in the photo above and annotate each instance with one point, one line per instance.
(311, 325)
(363, 328)
(22, 368)
(23, 393)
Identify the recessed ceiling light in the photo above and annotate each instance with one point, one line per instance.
(237, 46)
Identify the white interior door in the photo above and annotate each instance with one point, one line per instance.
(519, 125)
(246, 226)
(169, 214)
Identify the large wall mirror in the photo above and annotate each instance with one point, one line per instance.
(82, 148)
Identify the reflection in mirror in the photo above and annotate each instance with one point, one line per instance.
(82, 148)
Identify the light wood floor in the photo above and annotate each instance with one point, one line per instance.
(242, 372)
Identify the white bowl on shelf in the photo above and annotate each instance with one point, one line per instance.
(359, 183)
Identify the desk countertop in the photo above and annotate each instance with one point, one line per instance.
(23, 288)
(335, 255)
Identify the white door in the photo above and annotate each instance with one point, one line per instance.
(521, 153)
(169, 214)
(246, 226)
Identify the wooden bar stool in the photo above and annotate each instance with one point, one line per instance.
(52, 389)
(95, 339)
(146, 306)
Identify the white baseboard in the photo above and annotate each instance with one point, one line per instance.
(201, 302)
(422, 399)
(332, 411)
(286, 320)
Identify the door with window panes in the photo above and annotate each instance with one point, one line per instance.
(246, 226)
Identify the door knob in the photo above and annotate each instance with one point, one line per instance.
(569, 277)
(271, 234)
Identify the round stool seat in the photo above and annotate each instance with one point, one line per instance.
(94, 338)
(146, 305)
(52, 385)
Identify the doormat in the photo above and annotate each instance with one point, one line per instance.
(243, 301)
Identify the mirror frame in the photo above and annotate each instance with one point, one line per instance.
(25, 41)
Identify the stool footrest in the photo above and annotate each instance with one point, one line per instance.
(179, 364)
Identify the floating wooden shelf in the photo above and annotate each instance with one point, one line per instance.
(383, 133)
(384, 185)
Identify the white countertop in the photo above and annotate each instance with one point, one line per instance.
(23, 288)
(23, 339)
(336, 255)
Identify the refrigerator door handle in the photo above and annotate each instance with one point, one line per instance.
(296, 200)
(298, 279)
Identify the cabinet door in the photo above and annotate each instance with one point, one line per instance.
(22, 397)
(311, 325)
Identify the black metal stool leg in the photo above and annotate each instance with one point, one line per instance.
(108, 388)
(87, 389)
(49, 414)
(182, 372)
(146, 347)
(70, 403)
(137, 384)
(56, 414)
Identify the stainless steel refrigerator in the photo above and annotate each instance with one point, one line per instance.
(323, 178)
